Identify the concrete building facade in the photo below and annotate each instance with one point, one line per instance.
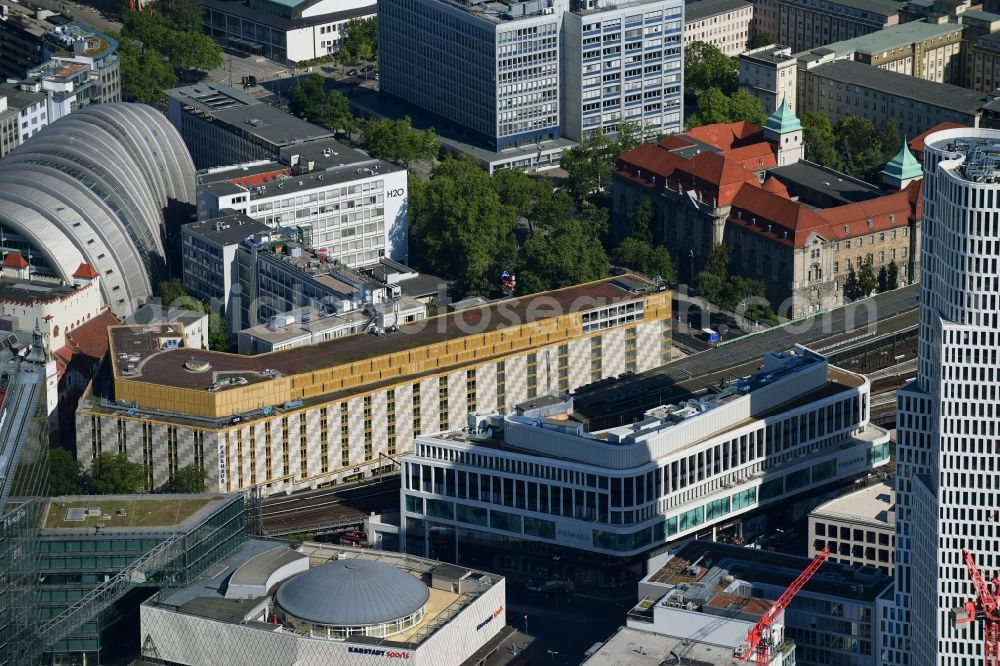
(769, 73)
(725, 24)
(523, 491)
(336, 411)
(859, 528)
(806, 24)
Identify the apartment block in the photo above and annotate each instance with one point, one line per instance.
(843, 88)
(725, 24)
(769, 73)
(537, 490)
(807, 24)
(336, 411)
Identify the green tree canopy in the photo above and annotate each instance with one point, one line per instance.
(189, 479)
(359, 40)
(852, 288)
(759, 40)
(397, 141)
(566, 253)
(309, 99)
(64, 473)
(715, 106)
(892, 276)
(705, 66)
(867, 279)
(145, 74)
(820, 140)
(459, 227)
(589, 162)
(183, 15)
(115, 474)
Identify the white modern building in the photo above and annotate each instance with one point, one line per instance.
(947, 496)
(534, 71)
(323, 605)
(858, 528)
(350, 207)
(769, 74)
(537, 486)
(292, 31)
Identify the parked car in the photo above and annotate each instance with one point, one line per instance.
(353, 72)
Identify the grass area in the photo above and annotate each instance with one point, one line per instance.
(138, 512)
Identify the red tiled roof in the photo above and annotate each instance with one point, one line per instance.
(917, 143)
(86, 272)
(91, 338)
(15, 260)
(775, 186)
(726, 136)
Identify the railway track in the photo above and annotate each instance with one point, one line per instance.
(328, 508)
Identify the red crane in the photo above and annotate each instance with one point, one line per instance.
(759, 638)
(985, 609)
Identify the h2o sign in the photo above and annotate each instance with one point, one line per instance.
(395, 193)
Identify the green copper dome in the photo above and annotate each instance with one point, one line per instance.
(903, 166)
(783, 120)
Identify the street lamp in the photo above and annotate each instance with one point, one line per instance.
(691, 273)
(525, 624)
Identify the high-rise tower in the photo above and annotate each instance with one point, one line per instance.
(948, 450)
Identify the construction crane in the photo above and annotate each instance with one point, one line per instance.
(984, 607)
(759, 639)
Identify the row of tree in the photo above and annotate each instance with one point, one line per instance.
(867, 281)
(385, 139)
(358, 41)
(160, 43)
(732, 292)
(854, 145)
(711, 83)
(113, 474)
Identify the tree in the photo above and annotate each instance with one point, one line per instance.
(759, 40)
(852, 288)
(642, 221)
(860, 147)
(567, 253)
(397, 141)
(883, 279)
(460, 229)
(115, 474)
(64, 473)
(715, 106)
(820, 141)
(171, 291)
(867, 280)
(309, 99)
(892, 277)
(705, 66)
(218, 333)
(188, 479)
(589, 162)
(144, 74)
(184, 15)
(359, 40)
(717, 261)
(642, 256)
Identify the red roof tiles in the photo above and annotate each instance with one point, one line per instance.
(86, 272)
(917, 143)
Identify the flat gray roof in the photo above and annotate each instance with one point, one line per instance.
(941, 95)
(825, 181)
(227, 229)
(695, 11)
(880, 7)
(894, 37)
(646, 648)
(874, 504)
(247, 113)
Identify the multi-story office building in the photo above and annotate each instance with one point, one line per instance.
(946, 492)
(929, 51)
(75, 557)
(622, 62)
(99, 187)
(769, 73)
(832, 620)
(333, 412)
(284, 31)
(843, 88)
(208, 255)
(859, 528)
(221, 125)
(22, 114)
(807, 24)
(979, 47)
(725, 24)
(350, 207)
(523, 492)
(533, 71)
(798, 227)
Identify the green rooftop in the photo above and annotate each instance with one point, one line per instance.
(783, 120)
(155, 511)
(903, 166)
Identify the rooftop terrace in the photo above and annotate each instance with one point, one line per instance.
(129, 512)
(875, 504)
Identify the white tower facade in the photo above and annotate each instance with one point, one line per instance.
(948, 453)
